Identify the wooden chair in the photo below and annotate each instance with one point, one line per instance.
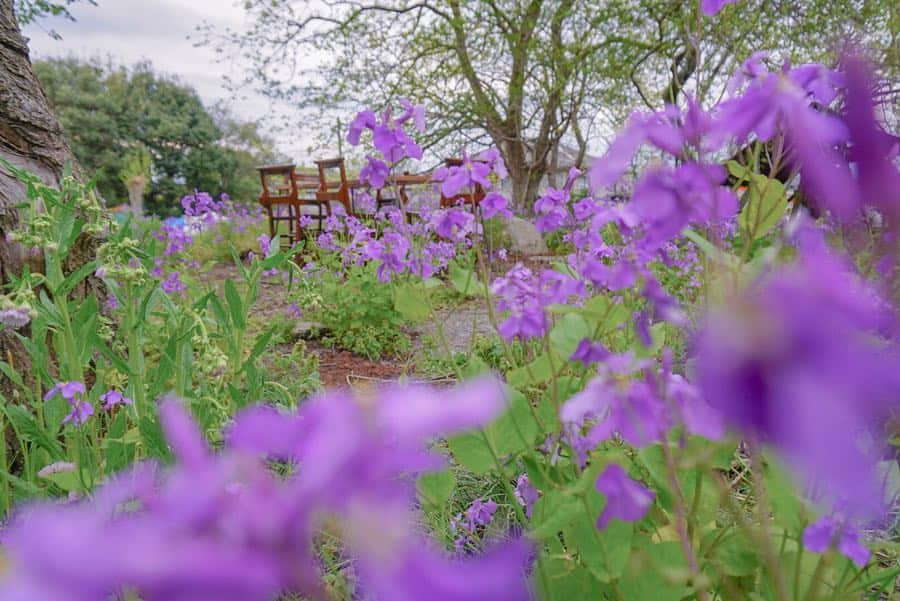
(468, 199)
(309, 206)
(333, 191)
(280, 199)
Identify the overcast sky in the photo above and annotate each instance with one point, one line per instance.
(158, 30)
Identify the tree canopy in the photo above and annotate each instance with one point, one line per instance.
(109, 112)
(528, 75)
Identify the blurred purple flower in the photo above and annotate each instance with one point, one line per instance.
(15, 317)
(827, 532)
(173, 284)
(112, 398)
(626, 499)
(526, 494)
(589, 352)
(493, 204)
(812, 383)
(374, 173)
(711, 7)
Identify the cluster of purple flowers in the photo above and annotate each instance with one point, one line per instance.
(629, 399)
(422, 247)
(202, 209)
(469, 525)
(525, 296)
(224, 526)
(389, 138)
(75, 394)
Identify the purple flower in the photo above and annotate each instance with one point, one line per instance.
(459, 178)
(610, 405)
(626, 499)
(828, 532)
(67, 390)
(15, 317)
(453, 224)
(526, 494)
(497, 574)
(478, 515)
(265, 244)
(414, 112)
(173, 284)
(711, 7)
(493, 204)
(73, 393)
(589, 352)
(112, 398)
(667, 200)
(364, 120)
(813, 383)
(494, 159)
(374, 173)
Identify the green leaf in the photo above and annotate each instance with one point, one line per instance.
(75, 278)
(561, 578)
(466, 282)
(235, 305)
(435, 488)
(472, 452)
(10, 373)
(28, 429)
(101, 347)
(787, 509)
(537, 372)
(153, 439)
(68, 481)
(605, 552)
(738, 171)
(553, 512)
(258, 347)
(656, 572)
(516, 429)
(568, 332)
(737, 556)
(411, 302)
(764, 205)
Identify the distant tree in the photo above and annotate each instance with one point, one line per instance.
(524, 75)
(108, 110)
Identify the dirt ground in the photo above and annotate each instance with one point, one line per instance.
(341, 369)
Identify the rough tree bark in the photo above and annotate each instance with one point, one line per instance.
(31, 138)
(30, 134)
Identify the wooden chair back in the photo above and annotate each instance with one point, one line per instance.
(333, 190)
(279, 198)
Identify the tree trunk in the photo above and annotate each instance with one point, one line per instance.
(30, 135)
(136, 187)
(30, 138)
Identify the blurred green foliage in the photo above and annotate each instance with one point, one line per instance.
(108, 110)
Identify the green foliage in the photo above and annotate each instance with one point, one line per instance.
(357, 311)
(145, 345)
(105, 109)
